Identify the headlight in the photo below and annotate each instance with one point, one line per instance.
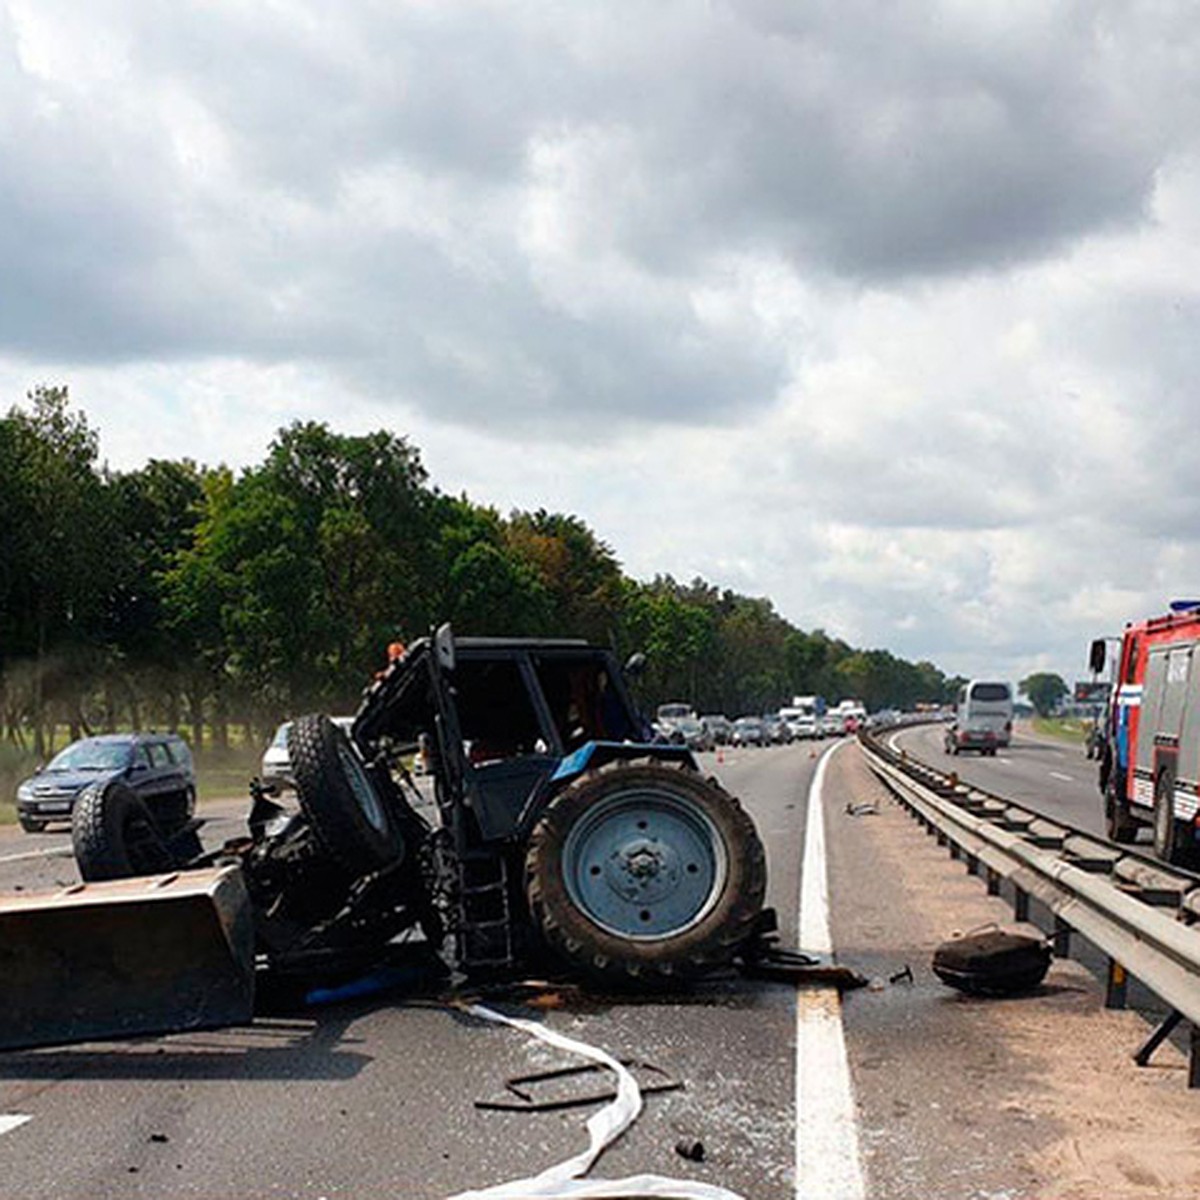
(25, 793)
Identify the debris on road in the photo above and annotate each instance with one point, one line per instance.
(522, 1089)
(564, 1181)
(865, 808)
(690, 1148)
(994, 962)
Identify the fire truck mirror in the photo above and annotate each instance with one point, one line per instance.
(1096, 659)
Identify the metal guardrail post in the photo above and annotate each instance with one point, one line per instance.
(1117, 985)
(1062, 938)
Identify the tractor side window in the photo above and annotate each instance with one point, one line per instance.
(583, 703)
(496, 715)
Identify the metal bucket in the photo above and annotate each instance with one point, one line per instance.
(157, 954)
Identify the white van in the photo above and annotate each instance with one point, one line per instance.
(982, 719)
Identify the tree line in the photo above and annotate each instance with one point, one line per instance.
(190, 597)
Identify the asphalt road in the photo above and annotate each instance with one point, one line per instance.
(1051, 777)
(950, 1098)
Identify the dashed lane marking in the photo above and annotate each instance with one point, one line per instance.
(827, 1152)
(11, 1121)
(1064, 778)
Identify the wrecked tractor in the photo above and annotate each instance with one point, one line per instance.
(557, 831)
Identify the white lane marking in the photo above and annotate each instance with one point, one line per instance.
(49, 852)
(1064, 778)
(11, 1121)
(827, 1152)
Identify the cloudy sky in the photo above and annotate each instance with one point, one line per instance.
(887, 310)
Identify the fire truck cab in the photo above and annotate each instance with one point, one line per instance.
(1150, 757)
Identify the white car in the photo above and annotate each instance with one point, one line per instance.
(277, 765)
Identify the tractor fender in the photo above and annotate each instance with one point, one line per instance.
(590, 757)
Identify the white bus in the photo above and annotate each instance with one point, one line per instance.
(982, 719)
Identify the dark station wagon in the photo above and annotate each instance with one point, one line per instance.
(157, 766)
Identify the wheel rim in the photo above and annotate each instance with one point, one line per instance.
(364, 793)
(644, 865)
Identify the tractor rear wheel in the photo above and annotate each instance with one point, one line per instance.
(644, 872)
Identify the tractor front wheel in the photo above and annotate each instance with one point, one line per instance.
(643, 872)
(114, 836)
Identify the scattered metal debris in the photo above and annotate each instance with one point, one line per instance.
(865, 808)
(905, 976)
(765, 960)
(523, 1089)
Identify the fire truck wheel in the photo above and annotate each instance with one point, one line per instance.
(643, 872)
(1117, 818)
(1169, 843)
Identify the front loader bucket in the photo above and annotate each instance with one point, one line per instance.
(158, 954)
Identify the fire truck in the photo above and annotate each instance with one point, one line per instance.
(1150, 756)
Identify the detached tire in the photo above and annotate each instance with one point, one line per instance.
(114, 836)
(351, 820)
(643, 872)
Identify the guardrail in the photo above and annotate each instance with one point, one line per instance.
(1136, 911)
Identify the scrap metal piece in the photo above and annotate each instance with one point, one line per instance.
(524, 1088)
(763, 959)
(159, 954)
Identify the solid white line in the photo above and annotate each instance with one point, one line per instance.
(49, 852)
(827, 1151)
(11, 1121)
(1064, 778)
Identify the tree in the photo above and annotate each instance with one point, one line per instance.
(1044, 690)
(59, 549)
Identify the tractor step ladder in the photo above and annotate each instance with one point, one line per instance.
(485, 934)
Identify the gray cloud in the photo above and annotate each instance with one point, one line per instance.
(192, 199)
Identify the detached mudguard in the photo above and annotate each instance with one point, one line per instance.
(158, 954)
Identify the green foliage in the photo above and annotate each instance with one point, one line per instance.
(179, 594)
(1044, 690)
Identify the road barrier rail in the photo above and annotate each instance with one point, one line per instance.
(1138, 912)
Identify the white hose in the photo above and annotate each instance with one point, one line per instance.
(563, 1181)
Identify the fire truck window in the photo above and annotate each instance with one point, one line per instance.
(1131, 662)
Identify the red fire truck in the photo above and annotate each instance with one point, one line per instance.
(1150, 758)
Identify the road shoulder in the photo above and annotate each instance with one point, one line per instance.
(1026, 1097)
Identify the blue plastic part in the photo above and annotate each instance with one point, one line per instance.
(597, 753)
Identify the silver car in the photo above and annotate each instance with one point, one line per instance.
(277, 765)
